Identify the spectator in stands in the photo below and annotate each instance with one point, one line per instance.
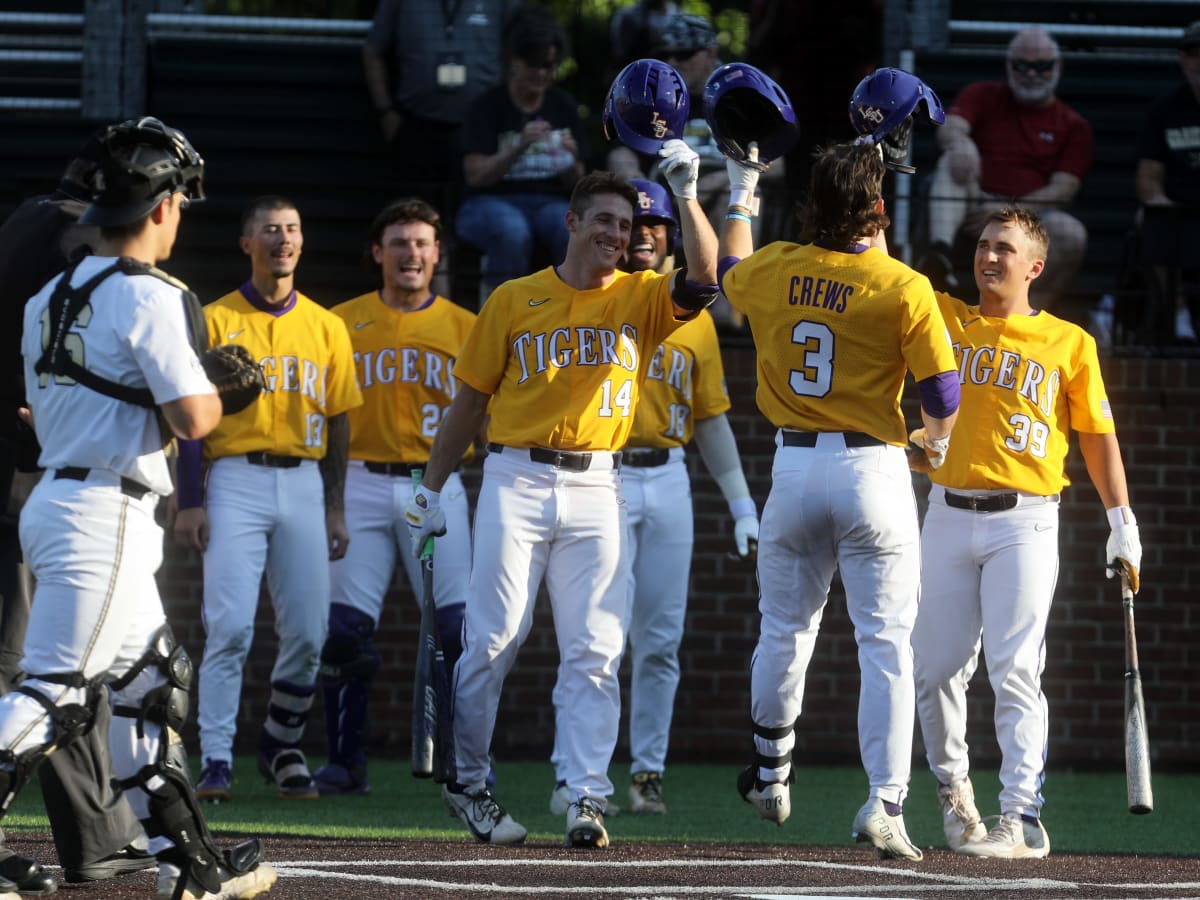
(425, 61)
(1168, 188)
(634, 30)
(522, 154)
(1012, 140)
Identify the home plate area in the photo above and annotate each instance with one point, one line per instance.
(408, 870)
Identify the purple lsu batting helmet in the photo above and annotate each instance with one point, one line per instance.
(742, 106)
(654, 203)
(647, 104)
(882, 109)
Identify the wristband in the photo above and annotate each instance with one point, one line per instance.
(745, 199)
(741, 216)
(1120, 516)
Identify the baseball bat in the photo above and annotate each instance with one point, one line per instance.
(1137, 744)
(424, 703)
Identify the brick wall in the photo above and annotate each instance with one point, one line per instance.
(1157, 404)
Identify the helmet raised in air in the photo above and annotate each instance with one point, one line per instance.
(141, 161)
(654, 203)
(882, 109)
(742, 106)
(647, 104)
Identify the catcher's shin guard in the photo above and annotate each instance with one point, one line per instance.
(349, 660)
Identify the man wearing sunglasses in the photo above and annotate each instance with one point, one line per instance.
(1012, 140)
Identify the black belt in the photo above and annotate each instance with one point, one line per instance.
(560, 459)
(129, 487)
(392, 468)
(991, 502)
(273, 460)
(645, 459)
(809, 439)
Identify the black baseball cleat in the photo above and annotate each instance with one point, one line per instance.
(126, 861)
(27, 876)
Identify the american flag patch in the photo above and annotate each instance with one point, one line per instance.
(1105, 409)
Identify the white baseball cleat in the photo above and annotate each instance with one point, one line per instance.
(560, 800)
(874, 824)
(1011, 838)
(645, 794)
(585, 824)
(960, 819)
(233, 887)
(483, 815)
(772, 799)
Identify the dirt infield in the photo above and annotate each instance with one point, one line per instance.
(408, 870)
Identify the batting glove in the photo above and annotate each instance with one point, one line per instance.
(1124, 548)
(425, 518)
(681, 166)
(745, 535)
(743, 179)
(934, 449)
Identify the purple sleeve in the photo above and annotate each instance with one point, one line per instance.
(187, 474)
(724, 264)
(939, 394)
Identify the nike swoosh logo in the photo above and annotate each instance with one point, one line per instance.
(539, 302)
(359, 326)
(233, 334)
(970, 321)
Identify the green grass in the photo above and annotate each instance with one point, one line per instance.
(1085, 813)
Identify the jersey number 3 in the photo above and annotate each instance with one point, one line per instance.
(816, 378)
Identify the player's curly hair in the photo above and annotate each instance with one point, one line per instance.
(404, 210)
(1028, 221)
(845, 187)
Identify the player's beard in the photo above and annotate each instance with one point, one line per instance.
(1034, 94)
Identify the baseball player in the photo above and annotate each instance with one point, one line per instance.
(95, 832)
(683, 396)
(274, 498)
(556, 358)
(111, 367)
(991, 532)
(405, 340)
(837, 324)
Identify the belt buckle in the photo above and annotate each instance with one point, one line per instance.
(973, 502)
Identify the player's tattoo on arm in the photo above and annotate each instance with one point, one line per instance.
(333, 464)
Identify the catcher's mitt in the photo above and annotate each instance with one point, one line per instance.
(236, 376)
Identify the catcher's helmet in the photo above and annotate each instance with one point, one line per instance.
(141, 162)
(654, 203)
(647, 104)
(742, 105)
(882, 109)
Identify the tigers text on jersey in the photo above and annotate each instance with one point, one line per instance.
(835, 334)
(1026, 382)
(685, 382)
(405, 363)
(132, 331)
(564, 365)
(308, 362)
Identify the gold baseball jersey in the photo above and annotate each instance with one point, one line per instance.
(405, 364)
(308, 362)
(835, 335)
(1026, 382)
(685, 382)
(563, 366)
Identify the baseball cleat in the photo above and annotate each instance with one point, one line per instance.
(960, 818)
(1012, 837)
(560, 801)
(287, 769)
(25, 875)
(216, 782)
(233, 887)
(585, 825)
(125, 861)
(333, 780)
(484, 817)
(875, 825)
(645, 794)
(773, 799)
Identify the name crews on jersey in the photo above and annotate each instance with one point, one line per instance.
(830, 378)
(405, 341)
(549, 502)
(682, 396)
(273, 498)
(990, 539)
